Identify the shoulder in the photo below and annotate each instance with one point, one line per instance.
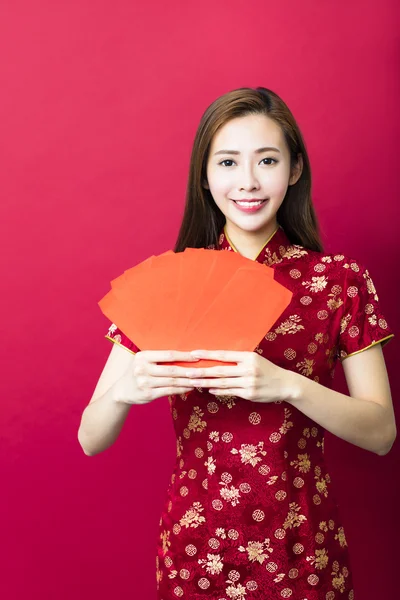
(336, 264)
(337, 273)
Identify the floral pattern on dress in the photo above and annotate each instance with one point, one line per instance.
(251, 512)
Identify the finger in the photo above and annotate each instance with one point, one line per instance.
(196, 372)
(219, 371)
(220, 383)
(145, 381)
(168, 356)
(169, 391)
(228, 392)
(157, 382)
(222, 355)
(172, 370)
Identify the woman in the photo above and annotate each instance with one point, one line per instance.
(250, 512)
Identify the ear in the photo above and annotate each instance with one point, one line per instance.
(205, 184)
(297, 170)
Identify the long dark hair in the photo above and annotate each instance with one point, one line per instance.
(203, 221)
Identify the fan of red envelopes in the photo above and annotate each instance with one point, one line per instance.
(197, 299)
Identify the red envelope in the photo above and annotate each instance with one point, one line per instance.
(196, 299)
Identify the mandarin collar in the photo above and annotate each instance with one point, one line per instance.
(272, 251)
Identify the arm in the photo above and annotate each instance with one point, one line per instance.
(103, 418)
(365, 417)
(101, 422)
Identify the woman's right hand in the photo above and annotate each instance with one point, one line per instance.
(146, 381)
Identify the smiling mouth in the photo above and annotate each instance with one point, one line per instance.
(249, 201)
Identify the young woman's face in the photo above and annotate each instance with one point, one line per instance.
(249, 174)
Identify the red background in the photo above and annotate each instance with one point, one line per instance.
(99, 106)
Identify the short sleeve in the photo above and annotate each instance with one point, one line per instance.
(362, 324)
(116, 336)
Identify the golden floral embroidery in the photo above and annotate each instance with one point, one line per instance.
(293, 519)
(227, 400)
(370, 285)
(321, 482)
(338, 581)
(195, 422)
(159, 573)
(164, 537)
(303, 463)
(291, 325)
(192, 517)
(320, 560)
(340, 536)
(229, 495)
(271, 258)
(307, 432)
(249, 452)
(210, 464)
(334, 303)
(286, 425)
(306, 366)
(213, 564)
(179, 446)
(273, 479)
(294, 251)
(257, 551)
(235, 591)
(344, 323)
(318, 284)
(111, 331)
(172, 575)
(220, 532)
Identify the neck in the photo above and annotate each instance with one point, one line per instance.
(248, 243)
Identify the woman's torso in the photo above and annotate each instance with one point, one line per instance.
(250, 512)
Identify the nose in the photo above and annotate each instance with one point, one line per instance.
(248, 179)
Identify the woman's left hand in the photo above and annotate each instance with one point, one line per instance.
(253, 377)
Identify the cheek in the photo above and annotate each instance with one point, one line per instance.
(278, 184)
(220, 184)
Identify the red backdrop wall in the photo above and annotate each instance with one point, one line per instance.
(99, 105)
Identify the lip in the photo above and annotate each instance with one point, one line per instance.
(250, 209)
(249, 199)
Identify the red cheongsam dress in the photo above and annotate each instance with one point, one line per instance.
(250, 512)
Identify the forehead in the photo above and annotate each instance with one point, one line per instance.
(247, 134)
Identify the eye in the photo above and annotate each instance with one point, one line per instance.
(225, 161)
(231, 161)
(273, 159)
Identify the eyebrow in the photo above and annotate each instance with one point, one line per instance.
(258, 151)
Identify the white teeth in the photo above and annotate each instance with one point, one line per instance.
(249, 203)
